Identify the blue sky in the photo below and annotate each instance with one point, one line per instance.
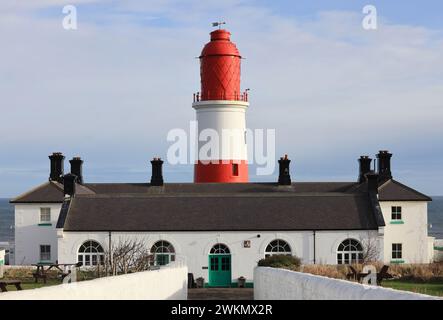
(420, 13)
(111, 90)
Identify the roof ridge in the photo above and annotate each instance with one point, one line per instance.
(219, 195)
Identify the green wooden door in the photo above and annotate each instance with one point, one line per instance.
(219, 270)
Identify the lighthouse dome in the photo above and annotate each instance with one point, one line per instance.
(220, 44)
(220, 68)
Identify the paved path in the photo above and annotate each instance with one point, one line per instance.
(221, 294)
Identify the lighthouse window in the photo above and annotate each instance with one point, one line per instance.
(278, 247)
(235, 169)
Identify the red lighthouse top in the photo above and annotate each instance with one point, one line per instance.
(220, 69)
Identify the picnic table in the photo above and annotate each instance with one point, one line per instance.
(43, 268)
(5, 283)
(383, 274)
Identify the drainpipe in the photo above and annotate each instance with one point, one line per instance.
(110, 252)
(313, 234)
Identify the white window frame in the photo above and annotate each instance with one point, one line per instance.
(91, 254)
(352, 256)
(45, 212)
(163, 248)
(220, 248)
(397, 251)
(280, 246)
(48, 253)
(394, 211)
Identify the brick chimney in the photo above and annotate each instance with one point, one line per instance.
(69, 181)
(284, 177)
(384, 166)
(372, 178)
(77, 168)
(157, 172)
(364, 168)
(56, 167)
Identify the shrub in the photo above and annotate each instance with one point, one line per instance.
(415, 272)
(330, 271)
(281, 261)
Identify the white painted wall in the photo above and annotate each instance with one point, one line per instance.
(29, 235)
(280, 284)
(194, 247)
(2, 261)
(222, 115)
(413, 234)
(168, 283)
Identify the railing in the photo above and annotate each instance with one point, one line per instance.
(236, 97)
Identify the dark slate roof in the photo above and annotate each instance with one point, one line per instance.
(219, 212)
(52, 192)
(49, 192)
(393, 190)
(173, 188)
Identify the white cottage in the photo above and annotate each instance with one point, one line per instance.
(222, 230)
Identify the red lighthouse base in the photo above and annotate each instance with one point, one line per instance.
(221, 171)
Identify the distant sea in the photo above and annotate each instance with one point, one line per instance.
(6, 221)
(435, 219)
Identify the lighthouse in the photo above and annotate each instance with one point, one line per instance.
(220, 112)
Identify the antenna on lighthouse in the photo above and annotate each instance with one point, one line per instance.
(218, 24)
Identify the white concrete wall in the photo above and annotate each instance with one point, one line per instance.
(29, 235)
(194, 247)
(168, 283)
(280, 284)
(2, 261)
(412, 234)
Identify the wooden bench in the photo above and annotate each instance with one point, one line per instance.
(5, 283)
(62, 268)
(358, 276)
(39, 275)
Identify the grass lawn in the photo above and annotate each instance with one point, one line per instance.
(432, 288)
(30, 284)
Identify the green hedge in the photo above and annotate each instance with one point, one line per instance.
(281, 261)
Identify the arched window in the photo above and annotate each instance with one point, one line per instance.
(220, 248)
(278, 247)
(350, 251)
(91, 253)
(163, 253)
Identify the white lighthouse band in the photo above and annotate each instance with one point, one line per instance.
(227, 119)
